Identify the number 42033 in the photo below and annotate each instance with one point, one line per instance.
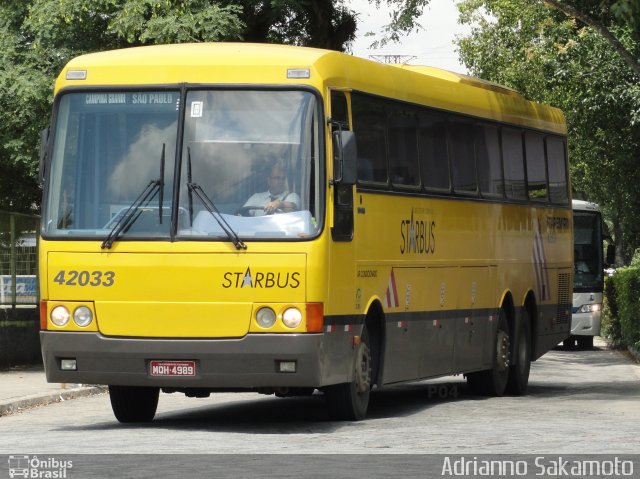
(85, 278)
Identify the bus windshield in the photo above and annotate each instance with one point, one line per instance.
(253, 153)
(588, 256)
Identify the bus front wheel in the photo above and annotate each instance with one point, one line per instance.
(349, 401)
(133, 403)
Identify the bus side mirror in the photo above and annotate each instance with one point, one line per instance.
(44, 144)
(345, 154)
(611, 255)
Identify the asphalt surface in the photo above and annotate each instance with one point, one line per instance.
(26, 387)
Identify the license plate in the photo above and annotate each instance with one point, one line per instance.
(172, 368)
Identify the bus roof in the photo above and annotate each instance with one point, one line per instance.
(267, 64)
(580, 205)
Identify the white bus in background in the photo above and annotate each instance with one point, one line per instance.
(588, 278)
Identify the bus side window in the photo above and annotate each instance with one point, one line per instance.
(490, 177)
(462, 154)
(513, 161)
(369, 124)
(339, 109)
(365, 170)
(556, 161)
(432, 147)
(536, 167)
(403, 146)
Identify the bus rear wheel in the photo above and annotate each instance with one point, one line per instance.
(493, 382)
(519, 372)
(134, 403)
(349, 401)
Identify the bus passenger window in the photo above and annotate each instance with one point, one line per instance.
(513, 161)
(371, 162)
(365, 170)
(369, 124)
(536, 167)
(432, 147)
(489, 163)
(557, 171)
(463, 161)
(403, 147)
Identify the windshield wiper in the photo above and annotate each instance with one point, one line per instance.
(135, 210)
(210, 207)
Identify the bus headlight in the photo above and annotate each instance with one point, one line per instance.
(60, 316)
(589, 308)
(292, 317)
(82, 316)
(266, 317)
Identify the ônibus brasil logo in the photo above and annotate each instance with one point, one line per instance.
(35, 467)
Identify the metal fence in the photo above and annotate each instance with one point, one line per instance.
(19, 312)
(18, 260)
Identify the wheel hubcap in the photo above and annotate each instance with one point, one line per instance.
(503, 350)
(363, 369)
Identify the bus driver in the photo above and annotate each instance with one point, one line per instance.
(276, 199)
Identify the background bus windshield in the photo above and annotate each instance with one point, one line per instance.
(588, 256)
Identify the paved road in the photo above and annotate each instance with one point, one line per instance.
(579, 402)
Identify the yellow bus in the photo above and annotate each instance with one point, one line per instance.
(238, 217)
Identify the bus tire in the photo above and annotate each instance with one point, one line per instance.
(349, 401)
(493, 382)
(519, 372)
(134, 403)
(585, 343)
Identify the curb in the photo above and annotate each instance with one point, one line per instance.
(36, 400)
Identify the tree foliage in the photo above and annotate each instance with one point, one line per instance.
(605, 16)
(23, 94)
(623, 297)
(37, 37)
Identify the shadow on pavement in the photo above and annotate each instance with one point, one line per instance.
(566, 376)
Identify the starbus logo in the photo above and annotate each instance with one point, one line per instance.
(35, 467)
(260, 279)
(418, 235)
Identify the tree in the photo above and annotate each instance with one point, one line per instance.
(604, 16)
(37, 37)
(23, 102)
(314, 23)
(86, 25)
(601, 16)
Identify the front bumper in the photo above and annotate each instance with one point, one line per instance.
(585, 324)
(249, 362)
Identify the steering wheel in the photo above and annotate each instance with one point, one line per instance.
(246, 210)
